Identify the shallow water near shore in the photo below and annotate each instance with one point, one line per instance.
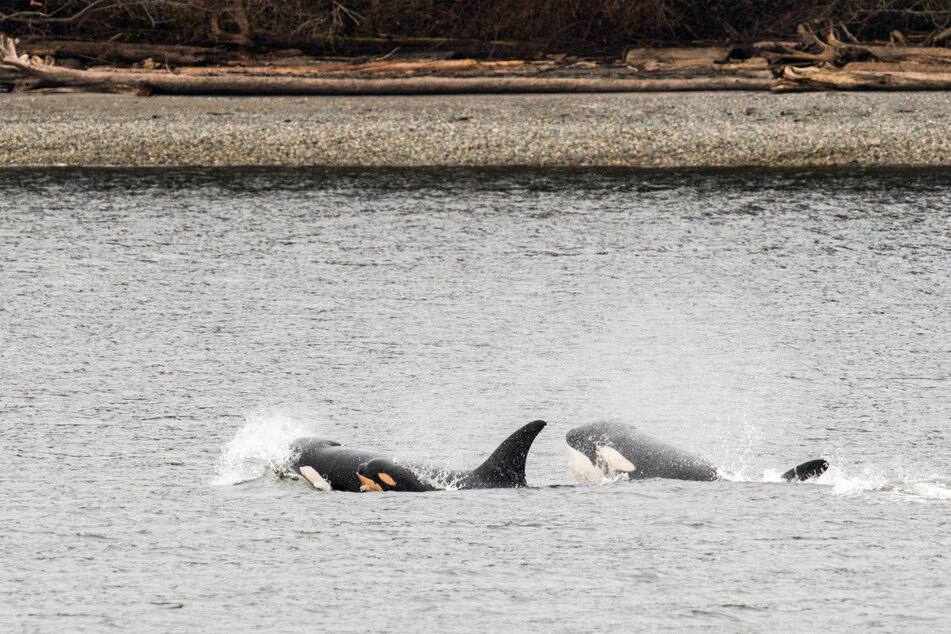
(165, 334)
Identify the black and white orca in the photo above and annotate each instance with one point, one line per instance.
(328, 465)
(603, 449)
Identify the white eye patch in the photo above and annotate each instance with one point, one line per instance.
(615, 460)
(584, 469)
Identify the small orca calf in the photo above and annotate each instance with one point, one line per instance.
(600, 449)
(346, 469)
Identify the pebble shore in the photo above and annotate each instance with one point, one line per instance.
(698, 129)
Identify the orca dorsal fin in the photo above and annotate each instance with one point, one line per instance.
(506, 466)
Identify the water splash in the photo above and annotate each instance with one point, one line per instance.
(931, 489)
(262, 445)
(438, 477)
(735, 459)
(898, 483)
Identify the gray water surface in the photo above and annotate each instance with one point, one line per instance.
(164, 335)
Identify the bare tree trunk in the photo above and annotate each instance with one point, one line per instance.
(831, 50)
(33, 73)
(122, 52)
(187, 84)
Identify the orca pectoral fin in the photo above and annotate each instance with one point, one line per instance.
(807, 470)
(505, 468)
(316, 480)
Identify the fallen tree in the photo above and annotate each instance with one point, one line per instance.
(127, 53)
(829, 63)
(812, 64)
(796, 79)
(831, 50)
(25, 72)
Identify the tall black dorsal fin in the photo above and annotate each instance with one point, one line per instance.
(506, 466)
(811, 469)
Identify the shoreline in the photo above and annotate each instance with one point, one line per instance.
(628, 130)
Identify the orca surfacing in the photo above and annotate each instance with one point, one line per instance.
(349, 469)
(600, 449)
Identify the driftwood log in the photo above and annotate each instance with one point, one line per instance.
(176, 84)
(33, 73)
(829, 63)
(814, 63)
(125, 53)
(785, 53)
(795, 79)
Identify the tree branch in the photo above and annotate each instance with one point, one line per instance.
(48, 18)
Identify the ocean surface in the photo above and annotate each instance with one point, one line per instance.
(165, 334)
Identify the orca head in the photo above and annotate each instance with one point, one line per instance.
(583, 453)
(582, 440)
(595, 451)
(380, 474)
(307, 451)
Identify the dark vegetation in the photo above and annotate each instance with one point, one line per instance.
(487, 28)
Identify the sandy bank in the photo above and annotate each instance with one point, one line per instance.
(635, 130)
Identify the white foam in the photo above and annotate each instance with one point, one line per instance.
(928, 489)
(773, 475)
(262, 445)
(896, 483)
(843, 483)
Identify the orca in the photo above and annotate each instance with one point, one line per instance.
(349, 469)
(807, 470)
(602, 449)
(381, 474)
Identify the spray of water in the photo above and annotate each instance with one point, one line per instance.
(262, 446)
(866, 479)
(735, 458)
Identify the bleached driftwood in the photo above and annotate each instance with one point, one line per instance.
(828, 63)
(831, 50)
(820, 68)
(128, 53)
(40, 74)
(795, 79)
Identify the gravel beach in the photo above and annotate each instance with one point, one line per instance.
(725, 129)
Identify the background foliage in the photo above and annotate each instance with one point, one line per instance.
(552, 25)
